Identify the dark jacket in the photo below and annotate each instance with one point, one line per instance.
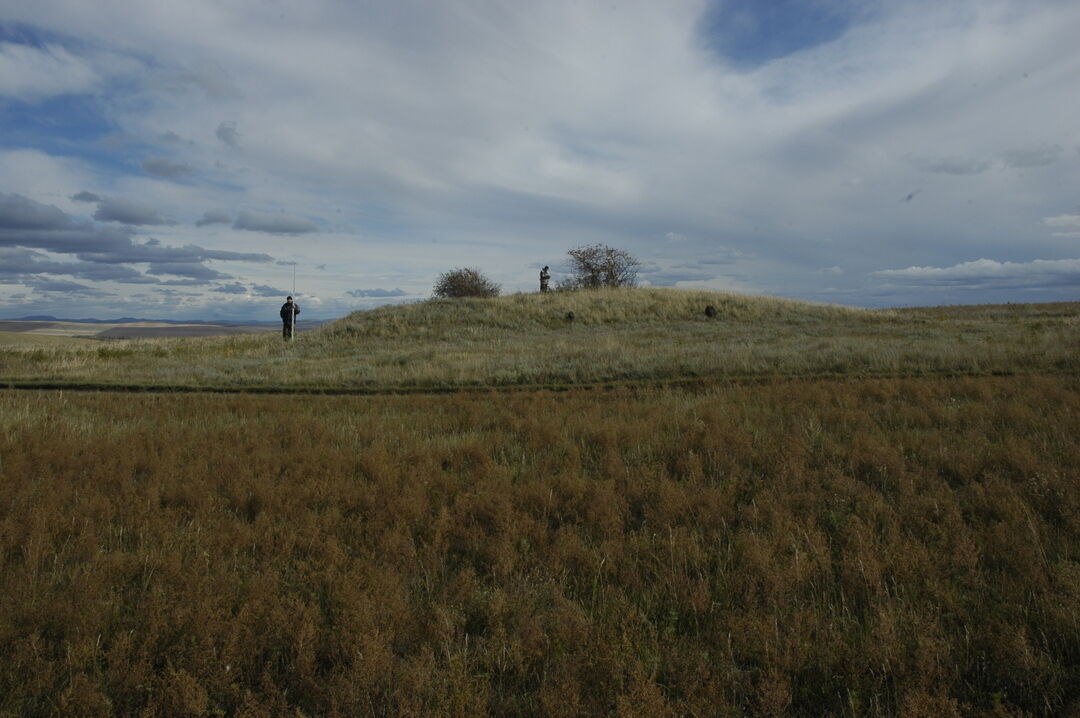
(288, 310)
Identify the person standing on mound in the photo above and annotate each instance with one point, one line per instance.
(289, 310)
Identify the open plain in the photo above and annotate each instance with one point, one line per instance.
(481, 508)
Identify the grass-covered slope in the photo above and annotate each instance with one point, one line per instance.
(616, 335)
(604, 307)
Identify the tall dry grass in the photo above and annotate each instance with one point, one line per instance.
(617, 335)
(878, 547)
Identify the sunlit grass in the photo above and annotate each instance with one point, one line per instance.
(616, 335)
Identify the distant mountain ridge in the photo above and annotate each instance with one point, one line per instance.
(133, 320)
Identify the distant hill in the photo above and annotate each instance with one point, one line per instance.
(134, 320)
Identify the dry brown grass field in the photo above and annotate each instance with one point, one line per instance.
(844, 512)
(791, 547)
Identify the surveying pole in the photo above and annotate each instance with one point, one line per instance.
(292, 322)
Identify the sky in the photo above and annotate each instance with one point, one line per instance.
(203, 159)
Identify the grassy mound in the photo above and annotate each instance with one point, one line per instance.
(525, 312)
(617, 335)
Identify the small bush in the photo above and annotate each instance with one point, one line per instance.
(598, 265)
(467, 282)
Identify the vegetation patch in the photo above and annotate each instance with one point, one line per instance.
(861, 547)
(622, 334)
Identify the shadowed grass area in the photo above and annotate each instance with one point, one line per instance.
(23, 340)
(616, 335)
(717, 532)
(798, 547)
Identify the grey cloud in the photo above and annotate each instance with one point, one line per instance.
(213, 79)
(724, 259)
(362, 293)
(227, 133)
(79, 238)
(191, 270)
(265, 290)
(26, 225)
(274, 223)
(125, 211)
(955, 165)
(166, 169)
(56, 285)
(667, 278)
(20, 264)
(160, 254)
(18, 212)
(1032, 156)
(184, 283)
(85, 196)
(214, 217)
(234, 288)
(175, 293)
(172, 138)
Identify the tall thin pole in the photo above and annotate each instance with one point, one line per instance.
(292, 324)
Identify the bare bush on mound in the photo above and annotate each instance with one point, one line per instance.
(466, 282)
(598, 265)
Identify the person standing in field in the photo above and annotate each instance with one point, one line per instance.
(289, 310)
(545, 277)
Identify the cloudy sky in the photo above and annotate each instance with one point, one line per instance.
(182, 159)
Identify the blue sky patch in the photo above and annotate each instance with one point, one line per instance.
(750, 33)
(67, 125)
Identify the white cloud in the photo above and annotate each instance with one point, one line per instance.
(30, 73)
(1068, 224)
(984, 273)
(1063, 221)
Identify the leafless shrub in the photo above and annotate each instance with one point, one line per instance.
(598, 265)
(467, 282)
